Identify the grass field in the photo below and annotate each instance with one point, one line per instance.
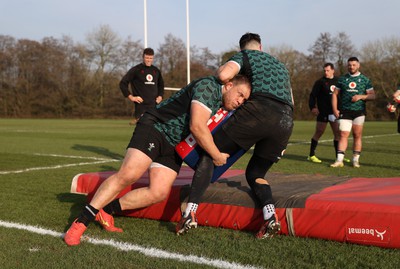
(38, 159)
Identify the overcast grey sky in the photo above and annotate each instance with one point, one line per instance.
(216, 24)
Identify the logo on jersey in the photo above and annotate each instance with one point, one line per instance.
(283, 152)
(332, 88)
(149, 79)
(151, 146)
(352, 85)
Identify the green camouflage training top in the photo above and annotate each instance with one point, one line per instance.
(350, 85)
(268, 75)
(173, 114)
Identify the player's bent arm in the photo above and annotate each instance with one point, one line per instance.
(124, 87)
(365, 97)
(227, 71)
(135, 99)
(199, 116)
(335, 103)
(370, 95)
(315, 111)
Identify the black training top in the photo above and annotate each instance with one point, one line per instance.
(146, 82)
(321, 95)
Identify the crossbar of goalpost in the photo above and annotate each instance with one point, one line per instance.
(171, 89)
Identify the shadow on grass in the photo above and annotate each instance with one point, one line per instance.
(169, 226)
(302, 158)
(295, 157)
(78, 202)
(378, 166)
(99, 150)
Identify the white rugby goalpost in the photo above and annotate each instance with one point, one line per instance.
(187, 40)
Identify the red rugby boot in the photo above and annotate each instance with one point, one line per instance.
(107, 222)
(73, 236)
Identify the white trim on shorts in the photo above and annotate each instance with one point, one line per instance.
(159, 165)
(345, 125)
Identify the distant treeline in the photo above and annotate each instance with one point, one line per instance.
(58, 78)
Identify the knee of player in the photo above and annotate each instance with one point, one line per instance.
(124, 179)
(344, 134)
(261, 181)
(357, 135)
(158, 195)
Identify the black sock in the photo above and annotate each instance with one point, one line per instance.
(340, 152)
(113, 207)
(263, 193)
(201, 178)
(314, 144)
(88, 214)
(336, 144)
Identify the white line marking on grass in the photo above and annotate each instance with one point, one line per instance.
(56, 167)
(124, 246)
(34, 229)
(71, 156)
(350, 138)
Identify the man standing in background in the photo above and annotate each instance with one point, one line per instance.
(147, 85)
(354, 89)
(320, 104)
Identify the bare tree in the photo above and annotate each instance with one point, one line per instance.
(57, 78)
(381, 62)
(300, 68)
(103, 45)
(171, 60)
(204, 57)
(322, 49)
(343, 49)
(129, 55)
(8, 73)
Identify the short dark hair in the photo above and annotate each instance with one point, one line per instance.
(353, 59)
(240, 79)
(329, 64)
(247, 38)
(148, 51)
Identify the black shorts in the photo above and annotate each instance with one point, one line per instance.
(262, 121)
(322, 117)
(151, 142)
(141, 108)
(351, 115)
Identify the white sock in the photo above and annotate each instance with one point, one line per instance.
(190, 207)
(268, 211)
(356, 158)
(340, 157)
